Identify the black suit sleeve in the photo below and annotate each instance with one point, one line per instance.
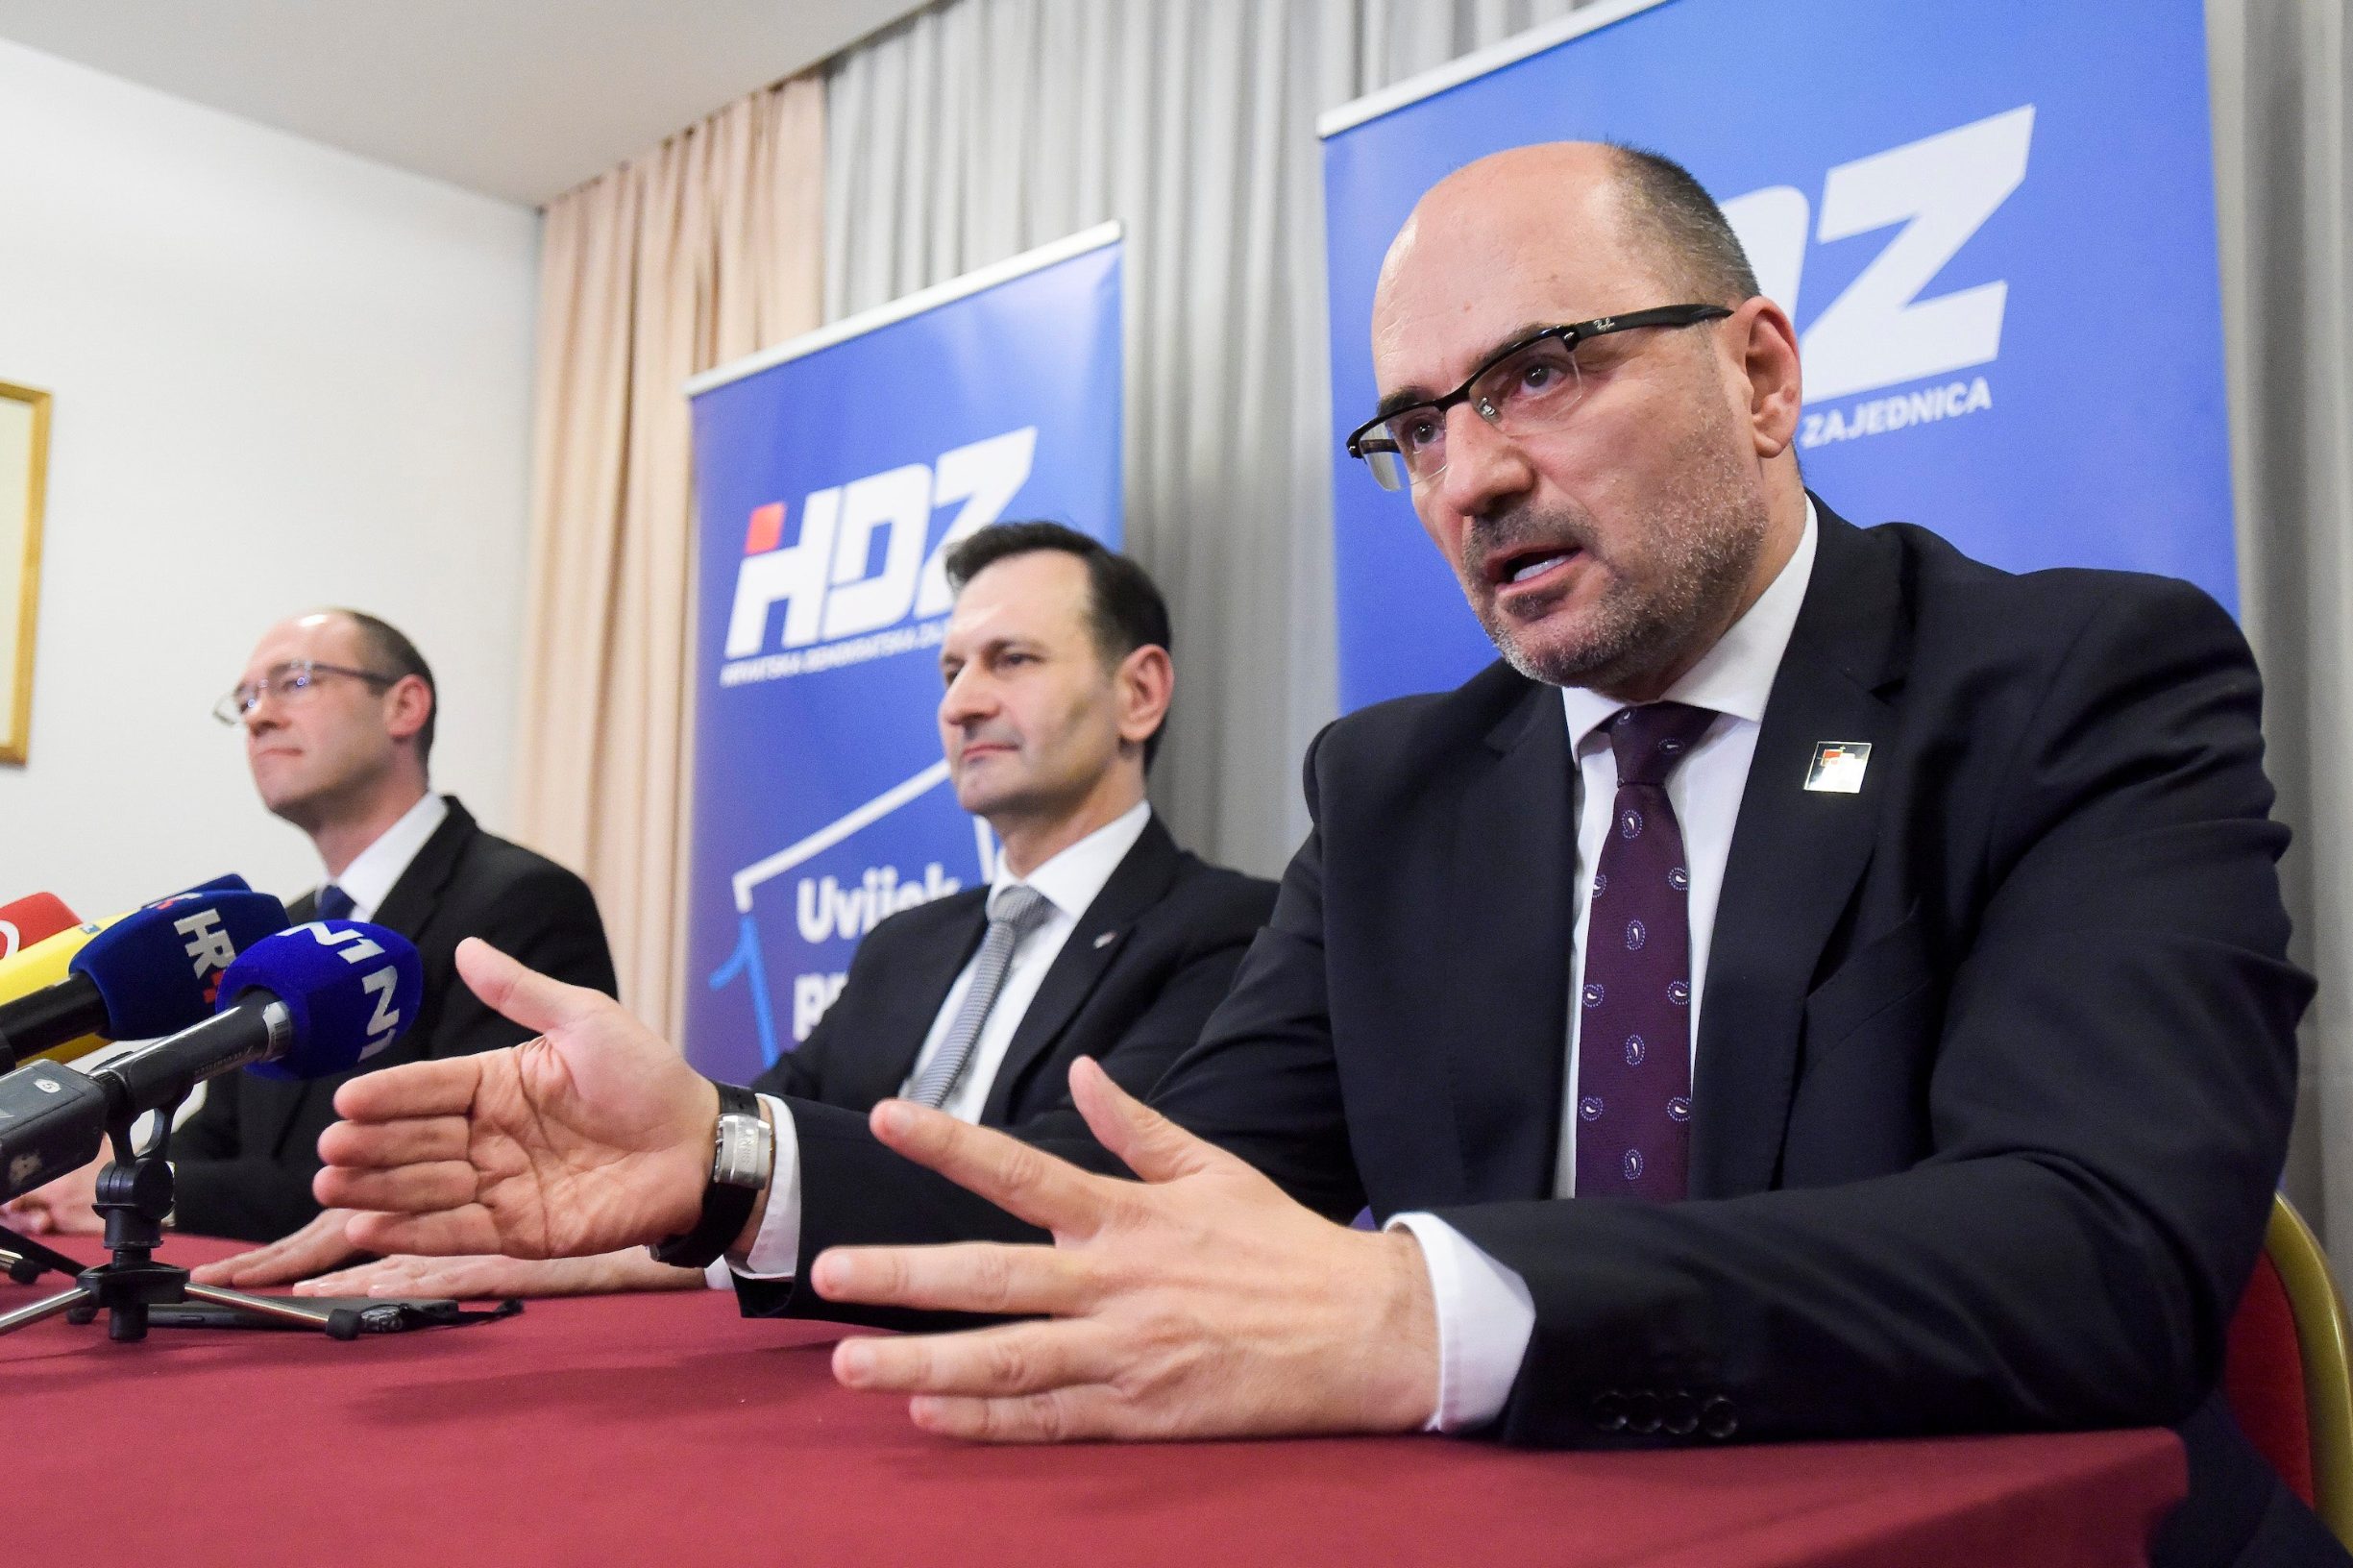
(856, 1192)
(221, 1187)
(1263, 1083)
(226, 1189)
(2114, 1077)
(545, 916)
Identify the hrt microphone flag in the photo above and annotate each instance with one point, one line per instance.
(149, 973)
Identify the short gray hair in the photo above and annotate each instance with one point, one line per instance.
(1671, 214)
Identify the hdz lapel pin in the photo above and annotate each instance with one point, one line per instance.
(1838, 767)
(1106, 939)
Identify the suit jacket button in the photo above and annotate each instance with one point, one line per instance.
(1681, 1414)
(1717, 1420)
(1642, 1412)
(1609, 1411)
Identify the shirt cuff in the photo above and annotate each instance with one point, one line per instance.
(776, 1247)
(1486, 1317)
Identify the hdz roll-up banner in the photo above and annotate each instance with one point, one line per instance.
(832, 473)
(1993, 225)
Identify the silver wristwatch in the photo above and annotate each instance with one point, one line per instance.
(743, 1159)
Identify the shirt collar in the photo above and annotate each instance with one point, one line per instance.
(1735, 676)
(1071, 880)
(372, 873)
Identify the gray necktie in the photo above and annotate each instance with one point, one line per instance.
(1013, 913)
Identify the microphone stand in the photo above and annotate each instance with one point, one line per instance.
(134, 1193)
(25, 1260)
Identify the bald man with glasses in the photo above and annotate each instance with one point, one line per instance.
(338, 711)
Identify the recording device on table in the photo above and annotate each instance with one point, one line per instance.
(309, 1002)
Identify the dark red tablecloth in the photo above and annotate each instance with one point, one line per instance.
(666, 1429)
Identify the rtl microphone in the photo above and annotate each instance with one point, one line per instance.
(37, 916)
(149, 973)
(310, 1002)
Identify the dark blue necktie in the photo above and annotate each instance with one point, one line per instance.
(334, 904)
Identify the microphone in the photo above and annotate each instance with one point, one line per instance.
(309, 1002)
(37, 916)
(41, 958)
(151, 972)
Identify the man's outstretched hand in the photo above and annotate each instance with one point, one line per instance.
(594, 1137)
(314, 1249)
(493, 1278)
(1198, 1303)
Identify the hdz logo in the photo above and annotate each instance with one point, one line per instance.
(1879, 332)
(859, 568)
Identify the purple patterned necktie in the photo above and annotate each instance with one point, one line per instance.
(1634, 1046)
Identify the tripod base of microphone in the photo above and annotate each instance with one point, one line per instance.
(25, 1260)
(127, 1297)
(134, 1193)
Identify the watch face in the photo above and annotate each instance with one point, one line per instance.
(746, 1152)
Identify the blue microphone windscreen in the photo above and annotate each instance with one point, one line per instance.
(231, 883)
(353, 990)
(158, 968)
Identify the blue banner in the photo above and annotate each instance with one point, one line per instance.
(831, 474)
(1993, 225)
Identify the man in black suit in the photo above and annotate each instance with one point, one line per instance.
(1969, 879)
(1058, 680)
(339, 710)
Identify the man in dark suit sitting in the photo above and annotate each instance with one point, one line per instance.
(1818, 985)
(1058, 682)
(338, 710)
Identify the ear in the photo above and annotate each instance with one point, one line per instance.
(1143, 683)
(1766, 347)
(407, 703)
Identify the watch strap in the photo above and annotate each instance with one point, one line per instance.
(726, 1206)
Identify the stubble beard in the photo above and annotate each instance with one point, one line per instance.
(1701, 541)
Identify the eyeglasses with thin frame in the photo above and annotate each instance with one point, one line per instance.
(289, 683)
(1520, 389)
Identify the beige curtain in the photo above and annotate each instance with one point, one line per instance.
(2283, 127)
(978, 128)
(705, 249)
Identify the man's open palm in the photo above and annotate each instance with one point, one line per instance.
(595, 1136)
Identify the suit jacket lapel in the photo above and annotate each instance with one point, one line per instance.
(411, 903)
(406, 908)
(1504, 923)
(1140, 881)
(1797, 855)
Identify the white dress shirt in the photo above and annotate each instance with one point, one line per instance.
(1069, 883)
(370, 876)
(1486, 1314)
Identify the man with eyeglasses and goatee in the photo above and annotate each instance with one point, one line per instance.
(1812, 986)
(338, 710)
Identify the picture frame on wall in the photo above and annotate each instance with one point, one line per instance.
(24, 466)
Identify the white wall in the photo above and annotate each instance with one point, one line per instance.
(284, 377)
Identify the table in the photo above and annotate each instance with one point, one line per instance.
(664, 1428)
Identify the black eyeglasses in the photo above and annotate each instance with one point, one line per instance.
(1519, 389)
(287, 682)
